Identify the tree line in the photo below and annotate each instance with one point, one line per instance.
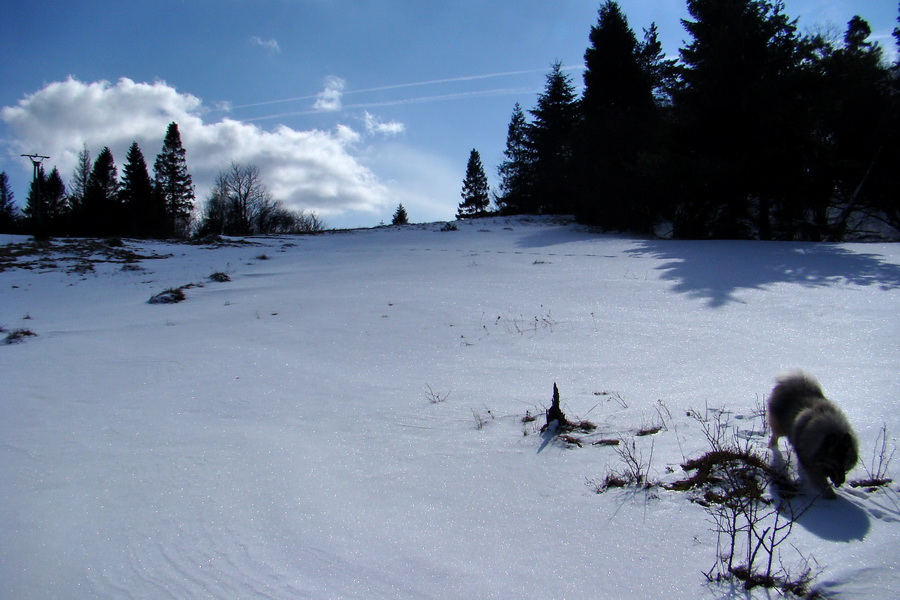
(756, 131)
(98, 203)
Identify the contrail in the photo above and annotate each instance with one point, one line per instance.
(398, 86)
(273, 102)
(454, 79)
(418, 100)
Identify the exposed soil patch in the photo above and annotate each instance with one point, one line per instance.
(17, 335)
(75, 256)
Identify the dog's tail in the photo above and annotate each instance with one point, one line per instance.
(798, 384)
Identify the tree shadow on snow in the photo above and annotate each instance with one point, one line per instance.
(547, 237)
(716, 271)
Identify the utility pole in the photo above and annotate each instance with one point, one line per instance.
(37, 207)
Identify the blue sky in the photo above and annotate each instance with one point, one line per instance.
(348, 107)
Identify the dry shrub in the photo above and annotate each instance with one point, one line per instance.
(170, 296)
(18, 335)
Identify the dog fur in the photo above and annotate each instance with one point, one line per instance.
(825, 444)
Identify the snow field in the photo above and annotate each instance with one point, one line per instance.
(273, 436)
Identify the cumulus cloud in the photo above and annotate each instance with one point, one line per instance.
(374, 126)
(270, 44)
(330, 98)
(314, 169)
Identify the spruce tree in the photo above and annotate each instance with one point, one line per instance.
(8, 211)
(549, 143)
(81, 175)
(35, 205)
(858, 131)
(400, 216)
(46, 208)
(742, 157)
(56, 207)
(661, 72)
(475, 191)
(620, 123)
(173, 183)
(101, 210)
(514, 170)
(146, 215)
(887, 179)
(77, 189)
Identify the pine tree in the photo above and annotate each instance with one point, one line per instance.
(475, 191)
(858, 131)
(742, 61)
(614, 76)
(514, 170)
(101, 209)
(35, 205)
(173, 183)
(886, 178)
(81, 175)
(146, 215)
(77, 189)
(8, 211)
(620, 123)
(56, 206)
(549, 143)
(400, 216)
(661, 71)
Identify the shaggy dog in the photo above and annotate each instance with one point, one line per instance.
(817, 429)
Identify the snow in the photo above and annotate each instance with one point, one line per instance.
(275, 436)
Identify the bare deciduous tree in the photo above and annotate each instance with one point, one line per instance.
(240, 203)
(247, 199)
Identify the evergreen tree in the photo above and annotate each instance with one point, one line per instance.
(661, 72)
(173, 183)
(146, 215)
(101, 210)
(77, 189)
(400, 216)
(514, 170)
(858, 130)
(475, 191)
(34, 204)
(887, 179)
(615, 74)
(81, 175)
(743, 157)
(896, 35)
(56, 206)
(8, 211)
(549, 144)
(620, 123)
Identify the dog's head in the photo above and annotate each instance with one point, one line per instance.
(837, 456)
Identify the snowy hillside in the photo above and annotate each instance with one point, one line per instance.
(348, 415)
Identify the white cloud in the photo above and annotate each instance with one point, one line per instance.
(314, 169)
(270, 44)
(223, 106)
(329, 99)
(375, 126)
